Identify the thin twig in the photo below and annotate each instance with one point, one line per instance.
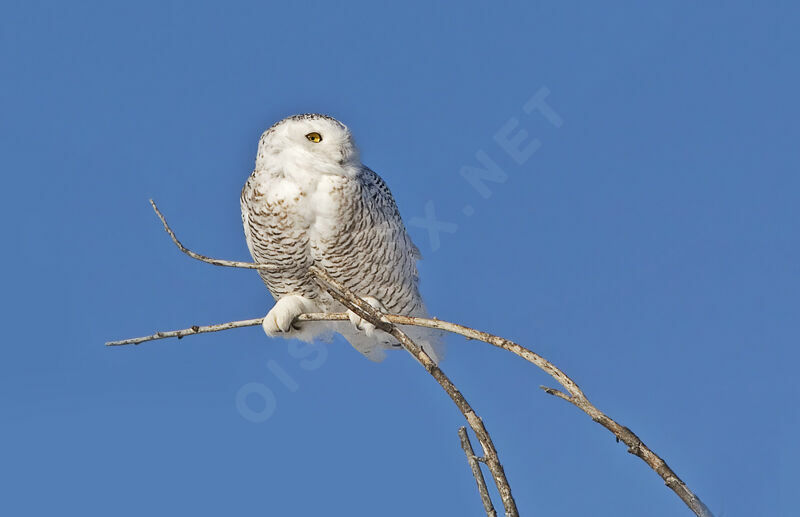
(388, 323)
(476, 472)
(203, 258)
(202, 329)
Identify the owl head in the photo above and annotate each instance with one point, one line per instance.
(313, 142)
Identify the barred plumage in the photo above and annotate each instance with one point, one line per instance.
(311, 201)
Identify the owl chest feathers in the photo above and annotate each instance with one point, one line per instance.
(317, 205)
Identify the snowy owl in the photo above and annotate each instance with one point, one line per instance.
(310, 201)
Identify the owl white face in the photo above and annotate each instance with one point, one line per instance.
(311, 142)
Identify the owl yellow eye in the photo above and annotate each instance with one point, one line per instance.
(314, 137)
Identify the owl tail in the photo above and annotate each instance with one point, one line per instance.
(431, 341)
(372, 347)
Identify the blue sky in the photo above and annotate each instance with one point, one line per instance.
(649, 247)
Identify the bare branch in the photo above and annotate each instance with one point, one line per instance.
(579, 400)
(202, 329)
(389, 322)
(476, 472)
(576, 397)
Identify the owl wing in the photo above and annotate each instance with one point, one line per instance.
(372, 253)
(385, 201)
(389, 271)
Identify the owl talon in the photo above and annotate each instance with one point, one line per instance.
(360, 323)
(280, 319)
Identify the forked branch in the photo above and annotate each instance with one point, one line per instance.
(475, 466)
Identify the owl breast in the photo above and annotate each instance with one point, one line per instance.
(290, 223)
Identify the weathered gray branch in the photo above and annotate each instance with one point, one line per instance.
(476, 472)
(389, 322)
(202, 329)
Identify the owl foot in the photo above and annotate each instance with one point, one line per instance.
(361, 324)
(278, 321)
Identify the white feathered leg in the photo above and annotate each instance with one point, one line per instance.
(361, 324)
(278, 321)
